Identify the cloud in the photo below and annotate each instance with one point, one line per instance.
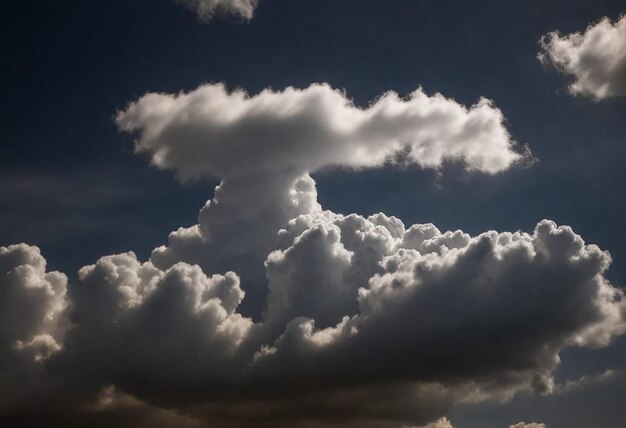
(525, 425)
(272, 312)
(238, 228)
(131, 319)
(442, 423)
(443, 305)
(32, 309)
(588, 381)
(32, 299)
(596, 59)
(433, 309)
(213, 132)
(263, 147)
(207, 10)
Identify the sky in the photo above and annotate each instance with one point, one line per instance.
(346, 213)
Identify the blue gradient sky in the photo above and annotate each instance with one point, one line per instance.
(70, 183)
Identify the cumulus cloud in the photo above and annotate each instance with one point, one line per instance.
(596, 59)
(32, 309)
(452, 318)
(210, 131)
(238, 228)
(132, 319)
(263, 147)
(207, 10)
(272, 312)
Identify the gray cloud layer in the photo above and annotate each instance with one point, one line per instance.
(596, 59)
(272, 312)
(207, 10)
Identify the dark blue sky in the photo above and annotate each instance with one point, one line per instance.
(70, 183)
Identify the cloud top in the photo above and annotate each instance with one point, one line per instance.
(596, 59)
(211, 131)
(32, 301)
(32, 322)
(207, 10)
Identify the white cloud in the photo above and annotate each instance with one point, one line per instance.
(32, 309)
(264, 146)
(341, 328)
(207, 10)
(32, 301)
(211, 131)
(146, 319)
(596, 59)
(238, 228)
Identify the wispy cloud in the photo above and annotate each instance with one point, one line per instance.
(207, 10)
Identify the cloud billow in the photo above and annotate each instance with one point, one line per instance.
(273, 312)
(213, 132)
(32, 322)
(596, 59)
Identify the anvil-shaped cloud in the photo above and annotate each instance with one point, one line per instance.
(274, 312)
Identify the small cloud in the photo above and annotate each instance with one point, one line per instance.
(596, 59)
(207, 10)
